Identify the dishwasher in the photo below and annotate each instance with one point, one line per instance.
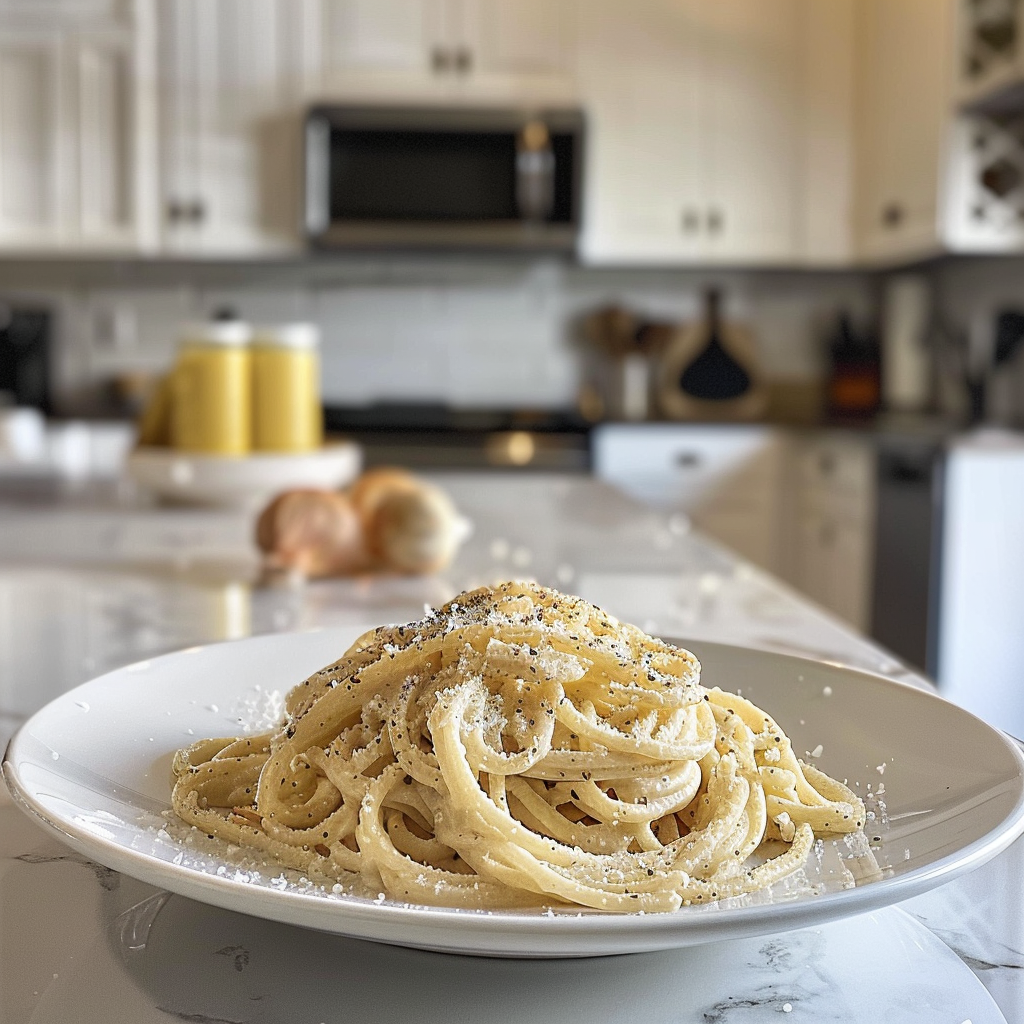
(908, 530)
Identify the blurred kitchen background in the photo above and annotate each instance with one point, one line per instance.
(760, 262)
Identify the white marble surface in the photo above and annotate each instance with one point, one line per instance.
(87, 584)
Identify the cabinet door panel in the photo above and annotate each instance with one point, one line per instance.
(381, 36)
(752, 52)
(230, 142)
(179, 29)
(640, 77)
(30, 140)
(825, 206)
(105, 127)
(241, 95)
(518, 37)
(903, 106)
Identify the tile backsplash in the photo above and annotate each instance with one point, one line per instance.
(485, 332)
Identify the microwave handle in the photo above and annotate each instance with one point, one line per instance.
(535, 172)
(318, 157)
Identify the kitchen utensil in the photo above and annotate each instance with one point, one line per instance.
(709, 370)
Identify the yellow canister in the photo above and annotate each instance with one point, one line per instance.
(212, 389)
(287, 415)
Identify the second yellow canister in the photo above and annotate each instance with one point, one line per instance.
(287, 415)
(212, 389)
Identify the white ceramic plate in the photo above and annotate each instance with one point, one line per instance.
(94, 766)
(191, 478)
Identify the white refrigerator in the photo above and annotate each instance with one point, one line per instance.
(980, 599)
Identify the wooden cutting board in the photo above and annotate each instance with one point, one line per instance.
(732, 370)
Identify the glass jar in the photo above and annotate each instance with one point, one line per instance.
(287, 415)
(211, 389)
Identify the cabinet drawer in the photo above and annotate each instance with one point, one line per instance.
(833, 566)
(688, 467)
(836, 477)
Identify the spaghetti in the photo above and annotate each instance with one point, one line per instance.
(519, 747)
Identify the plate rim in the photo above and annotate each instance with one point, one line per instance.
(596, 933)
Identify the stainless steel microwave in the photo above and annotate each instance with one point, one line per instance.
(451, 177)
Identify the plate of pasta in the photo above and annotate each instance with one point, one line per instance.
(519, 774)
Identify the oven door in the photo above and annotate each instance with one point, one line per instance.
(427, 177)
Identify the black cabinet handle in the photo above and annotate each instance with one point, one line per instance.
(463, 60)
(192, 212)
(716, 221)
(892, 215)
(690, 221)
(440, 60)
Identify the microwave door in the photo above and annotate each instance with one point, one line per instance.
(465, 178)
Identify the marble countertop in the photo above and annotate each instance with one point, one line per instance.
(92, 581)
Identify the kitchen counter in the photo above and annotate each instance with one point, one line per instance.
(93, 580)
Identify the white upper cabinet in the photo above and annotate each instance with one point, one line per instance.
(644, 189)
(397, 42)
(730, 132)
(32, 141)
(989, 49)
(229, 86)
(698, 149)
(903, 115)
(102, 77)
(752, 62)
(416, 50)
(825, 158)
(73, 107)
(520, 47)
(984, 208)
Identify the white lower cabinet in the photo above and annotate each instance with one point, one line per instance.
(830, 542)
(800, 506)
(724, 478)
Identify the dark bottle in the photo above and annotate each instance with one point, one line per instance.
(714, 375)
(854, 387)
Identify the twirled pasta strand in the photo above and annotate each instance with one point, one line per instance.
(519, 747)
